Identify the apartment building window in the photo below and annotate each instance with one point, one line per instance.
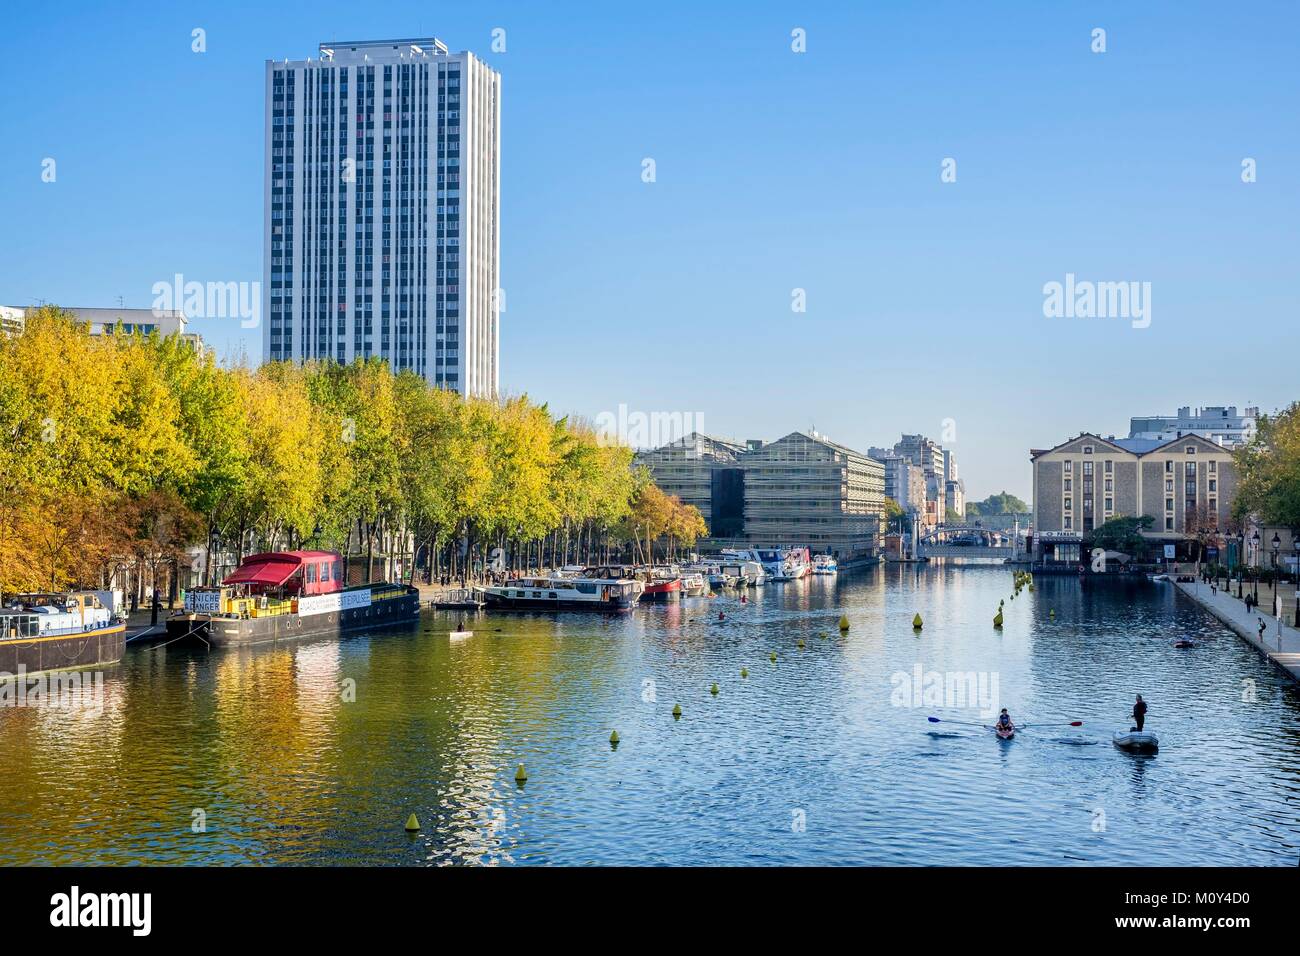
(1069, 523)
(1214, 485)
(1110, 484)
(1069, 467)
(1169, 522)
(1110, 504)
(1213, 467)
(1087, 469)
(1087, 449)
(1169, 504)
(1169, 466)
(1191, 449)
(1067, 504)
(1069, 483)
(1169, 485)
(1110, 467)
(1214, 510)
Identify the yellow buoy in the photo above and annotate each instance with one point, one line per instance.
(521, 774)
(613, 737)
(772, 657)
(677, 711)
(844, 622)
(744, 672)
(916, 621)
(713, 689)
(801, 643)
(412, 823)
(997, 619)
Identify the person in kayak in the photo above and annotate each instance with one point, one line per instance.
(1004, 724)
(1139, 712)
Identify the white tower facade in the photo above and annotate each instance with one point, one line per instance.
(382, 198)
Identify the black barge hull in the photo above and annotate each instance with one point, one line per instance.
(216, 631)
(88, 649)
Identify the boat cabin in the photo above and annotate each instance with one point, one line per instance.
(290, 572)
(42, 614)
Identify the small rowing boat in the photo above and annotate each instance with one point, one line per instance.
(1137, 741)
(457, 635)
(1004, 733)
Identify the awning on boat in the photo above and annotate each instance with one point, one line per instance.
(269, 571)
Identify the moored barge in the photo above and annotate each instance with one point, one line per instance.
(556, 593)
(287, 595)
(45, 632)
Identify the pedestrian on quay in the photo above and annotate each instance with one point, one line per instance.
(1262, 628)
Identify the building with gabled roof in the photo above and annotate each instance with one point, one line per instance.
(1185, 485)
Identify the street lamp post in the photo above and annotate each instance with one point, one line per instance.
(1277, 544)
(1254, 540)
(1241, 555)
(1295, 546)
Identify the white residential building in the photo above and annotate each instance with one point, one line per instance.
(382, 229)
(13, 319)
(1217, 423)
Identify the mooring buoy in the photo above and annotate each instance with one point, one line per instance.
(412, 824)
(521, 774)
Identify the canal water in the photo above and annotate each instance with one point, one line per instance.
(316, 753)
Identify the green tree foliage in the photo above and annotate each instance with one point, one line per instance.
(1121, 533)
(1269, 471)
(1001, 504)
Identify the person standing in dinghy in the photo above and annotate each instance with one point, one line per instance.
(1139, 712)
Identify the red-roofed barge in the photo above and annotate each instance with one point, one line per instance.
(287, 595)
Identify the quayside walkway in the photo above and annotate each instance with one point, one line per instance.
(1280, 643)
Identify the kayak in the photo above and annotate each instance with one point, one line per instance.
(1137, 741)
(1004, 734)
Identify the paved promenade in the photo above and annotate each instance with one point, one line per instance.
(1280, 643)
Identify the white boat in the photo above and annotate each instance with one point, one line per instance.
(460, 635)
(554, 593)
(748, 564)
(825, 564)
(794, 564)
(1137, 741)
(693, 583)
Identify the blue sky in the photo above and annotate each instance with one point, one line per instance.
(775, 171)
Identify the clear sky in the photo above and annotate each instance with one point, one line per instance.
(775, 171)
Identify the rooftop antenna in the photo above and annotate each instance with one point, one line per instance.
(120, 302)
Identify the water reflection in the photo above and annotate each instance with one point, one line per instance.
(317, 752)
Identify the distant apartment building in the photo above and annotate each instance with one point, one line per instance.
(955, 496)
(382, 197)
(937, 468)
(1184, 485)
(802, 490)
(1217, 423)
(904, 482)
(13, 319)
